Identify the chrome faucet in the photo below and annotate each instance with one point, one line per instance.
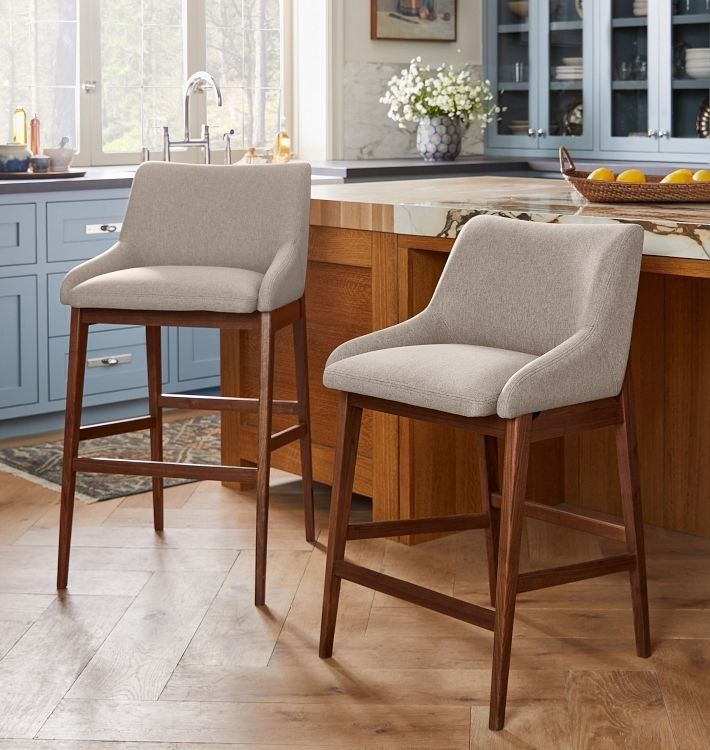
(200, 81)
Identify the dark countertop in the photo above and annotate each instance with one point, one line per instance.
(96, 178)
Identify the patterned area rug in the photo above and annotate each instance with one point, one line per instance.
(193, 440)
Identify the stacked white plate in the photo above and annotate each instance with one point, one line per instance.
(567, 72)
(697, 62)
(640, 8)
(519, 127)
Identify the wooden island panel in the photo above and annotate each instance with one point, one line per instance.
(360, 281)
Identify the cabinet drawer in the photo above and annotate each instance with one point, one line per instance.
(58, 315)
(18, 341)
(18, 236)
(78, 230)
(125, 347)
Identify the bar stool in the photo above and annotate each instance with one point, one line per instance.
(210, 247)
(526, 338)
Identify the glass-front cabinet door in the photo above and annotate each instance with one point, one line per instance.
(565, 63)
(512, 61)
(629, 105)
(684, 123)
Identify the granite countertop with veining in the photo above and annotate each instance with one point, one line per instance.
(440, 207)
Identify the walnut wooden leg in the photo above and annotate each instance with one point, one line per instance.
(72, 421)
(266, 394)
(515, 469)
(301, 350)
(155, 384)
(349, 420)
(627, 455)
(487, 453)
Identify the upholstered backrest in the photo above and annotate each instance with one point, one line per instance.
(528, 286)
(195, 215)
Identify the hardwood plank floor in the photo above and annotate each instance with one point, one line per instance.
(157, 646)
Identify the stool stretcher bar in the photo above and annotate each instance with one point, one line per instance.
(165, 469)
(119, 427)
(378, 529)
(224, 403)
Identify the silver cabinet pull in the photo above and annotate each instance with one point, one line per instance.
(111, 361)
(541, 133)
(664, 134)
(531, 133)
(88, 87)
(103, 228)
(653, 134)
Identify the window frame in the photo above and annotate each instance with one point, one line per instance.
(89, 117)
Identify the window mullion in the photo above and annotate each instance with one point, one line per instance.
(89, 104)
(195, 55)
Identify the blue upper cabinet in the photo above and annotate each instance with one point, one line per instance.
(538, 61)
(616, 79)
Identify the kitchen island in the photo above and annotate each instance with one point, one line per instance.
(376, 253)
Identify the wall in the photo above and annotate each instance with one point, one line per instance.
(362, 129)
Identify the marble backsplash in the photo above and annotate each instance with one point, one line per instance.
(368, 132)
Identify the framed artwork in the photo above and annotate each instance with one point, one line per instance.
(414, 20)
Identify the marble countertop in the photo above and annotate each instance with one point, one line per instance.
(440, 207)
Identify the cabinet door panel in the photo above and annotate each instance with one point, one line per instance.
(629, 74)
(18, 341)
(198, 353)
(18, 239)
(512, 65)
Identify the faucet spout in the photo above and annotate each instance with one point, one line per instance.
(199, 81)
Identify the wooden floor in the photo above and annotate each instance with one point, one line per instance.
(157, 645)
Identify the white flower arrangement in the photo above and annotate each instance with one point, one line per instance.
(420, 91)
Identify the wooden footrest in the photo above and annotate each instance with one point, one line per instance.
(378, 529)
(543, 579)
(224, 403)
(410, 592)
(279, 439)
(165, 469)
(121, 426)
(570, 519)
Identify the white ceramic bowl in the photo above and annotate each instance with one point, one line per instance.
(61, 158)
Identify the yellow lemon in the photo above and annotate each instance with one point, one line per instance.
(702, 175)
(680, 175)
(602, 175)
(631, 175)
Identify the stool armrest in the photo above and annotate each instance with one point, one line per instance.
(582, 368)
(424, 328)
(116, 258)
(285, 279)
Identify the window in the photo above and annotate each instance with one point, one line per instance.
(38, 66)
(109, 74)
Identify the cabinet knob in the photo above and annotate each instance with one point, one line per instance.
(541, 133)
(531, 133)
(653, 134)
(664, 134)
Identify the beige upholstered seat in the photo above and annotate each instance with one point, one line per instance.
(526, 317)
(245, 252)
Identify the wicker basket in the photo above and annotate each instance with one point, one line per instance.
(626, 192)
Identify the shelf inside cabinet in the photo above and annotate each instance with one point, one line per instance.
(566, 85)
(692, 83)
(629, 85)
(625, 23)
(513, 28)
(691, 18)
(513, 86)
(566, 25)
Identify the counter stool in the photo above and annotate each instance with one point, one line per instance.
(209, 247)
(525, 339)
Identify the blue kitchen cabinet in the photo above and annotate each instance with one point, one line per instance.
(43, 235)
(18, 363)
(611, 79)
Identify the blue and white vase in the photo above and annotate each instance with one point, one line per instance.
(439, 138)
(14, 157)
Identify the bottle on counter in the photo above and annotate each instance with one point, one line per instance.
(19, 126)
(282, 146)
(35, 147)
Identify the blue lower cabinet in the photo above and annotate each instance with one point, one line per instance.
(198, 353)
(18, 363)
(115, 362)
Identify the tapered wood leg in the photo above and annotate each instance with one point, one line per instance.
(627, 455)
(155, 384)
(266, 394)
(349, 420)
(515, 469)
(301, 350)
(78, 335)
(487, 453)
